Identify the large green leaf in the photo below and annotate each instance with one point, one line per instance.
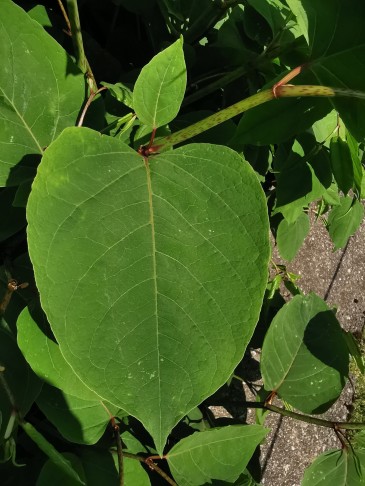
(305, 357)
(160, 87)
(151, 274)
(220, 453)
(41, 93)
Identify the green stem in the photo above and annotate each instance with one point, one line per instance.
(330, 424)
(285, 91)
(82, 62)
(313, 420)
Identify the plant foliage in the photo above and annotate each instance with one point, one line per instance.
(135, 260)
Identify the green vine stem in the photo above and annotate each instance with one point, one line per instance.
(313, 420)
(82, 62)
(279, 91)
(330, 424)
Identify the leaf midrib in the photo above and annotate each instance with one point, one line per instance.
(27, 127)
(154, 277)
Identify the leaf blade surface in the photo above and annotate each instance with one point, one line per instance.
(161, 267)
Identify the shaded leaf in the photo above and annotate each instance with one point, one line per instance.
(51, 473)
(41, 93)
(12, 218)
(341, 162)
(302, 20)
(160, 87)
(18, 378)
(304, 356)
(56, 457)
(274, 11)
(173, 275)
(78, 420)
(344, 220)
(219, 453)
(121, 92)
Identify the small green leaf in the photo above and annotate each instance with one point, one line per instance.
(344, 220)
(357, 166)
(160, 87)
(331, 195)
(216, 454)
(302, 20)
(121, 92)
(341, 162)
(290, 236)
(304, 357)
(336, 467)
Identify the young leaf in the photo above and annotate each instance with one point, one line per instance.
(216, 454)
(342, 165)
(41, 92)
(160, 87)
(304, 357)
(121, 92)
(344, 220)
(290, 236)
(150, 269)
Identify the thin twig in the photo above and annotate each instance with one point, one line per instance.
(120, 453)
(152, 465)
(65, 16)
(88, 103)
(295, 415)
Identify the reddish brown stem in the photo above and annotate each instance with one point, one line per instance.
(87, 104)
(292, 74)
(65, 16)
